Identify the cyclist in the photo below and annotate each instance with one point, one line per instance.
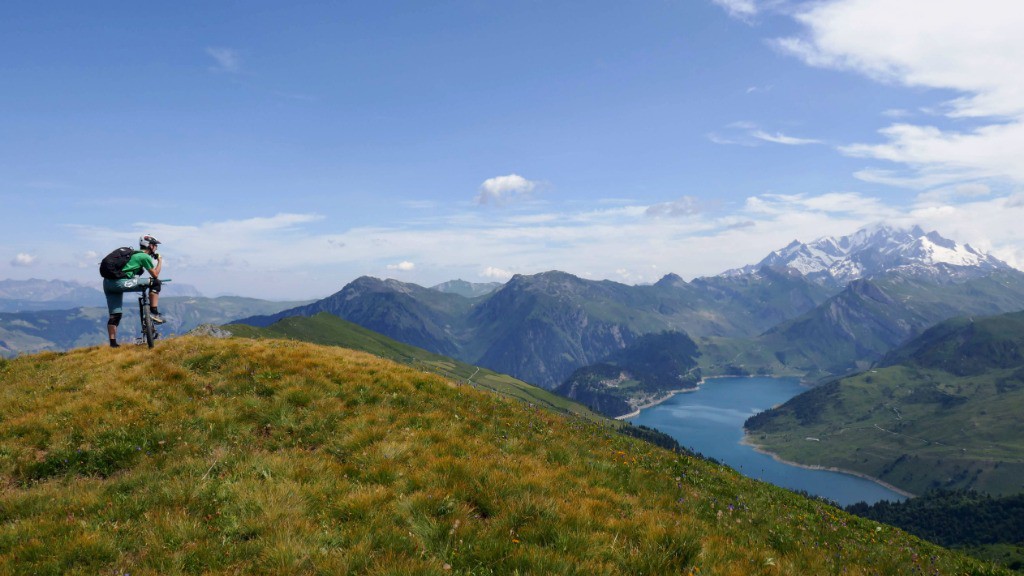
(147, 259)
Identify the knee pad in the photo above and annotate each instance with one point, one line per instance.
(154, 285)
(114, 319)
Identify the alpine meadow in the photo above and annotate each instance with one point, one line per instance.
(234, 456)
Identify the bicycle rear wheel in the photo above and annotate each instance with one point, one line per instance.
(148, 332)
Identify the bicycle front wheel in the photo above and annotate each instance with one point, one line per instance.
(148, 332)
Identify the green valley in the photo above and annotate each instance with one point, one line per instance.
(940, 412)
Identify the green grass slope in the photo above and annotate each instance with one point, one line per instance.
(235, 456)
(328, 329)
(945, 414)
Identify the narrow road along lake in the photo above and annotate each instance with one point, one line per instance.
(710, 421)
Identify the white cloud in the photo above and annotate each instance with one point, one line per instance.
(227, 245)
(742, 9)
(23, 260)
(988, 152)
(685, 206)
(991, 224)
(503, 189)
(90, 259)
(832, 205)
(494, 273)
(973, 48)
(294, 256)
(227, 60)
(780, 138)
(973, 190)
(896, 113)
(950, 194)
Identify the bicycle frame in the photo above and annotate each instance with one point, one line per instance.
(149, 333)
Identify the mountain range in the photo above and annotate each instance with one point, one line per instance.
(878, 250)
(31, 331)
(822, 309)
(35, 294)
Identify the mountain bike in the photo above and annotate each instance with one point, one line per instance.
(149, 333)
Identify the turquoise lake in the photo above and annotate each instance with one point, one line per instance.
(710, 421)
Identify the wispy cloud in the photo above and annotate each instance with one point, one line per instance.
(951, 194)
(226, 59)
(780, 138)
(419, 204)
(742, 9)
(834, 205)
(896, 113)
(685, 206)
(404, 266)
(750, 134)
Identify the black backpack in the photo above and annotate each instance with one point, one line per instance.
(113, 263)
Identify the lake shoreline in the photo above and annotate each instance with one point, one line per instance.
(707, 424)
(672, 393)
(654, 403)
(747, 441)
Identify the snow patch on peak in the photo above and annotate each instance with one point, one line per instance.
(874, 250)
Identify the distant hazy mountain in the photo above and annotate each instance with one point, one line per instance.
(877, 250)
(467, 289)
(179, 289)
(34, 294)
(36, 331)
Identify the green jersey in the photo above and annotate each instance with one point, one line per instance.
(138, 262)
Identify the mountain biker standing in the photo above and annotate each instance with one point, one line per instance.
(145, 259)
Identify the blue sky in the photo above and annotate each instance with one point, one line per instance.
(281, 150)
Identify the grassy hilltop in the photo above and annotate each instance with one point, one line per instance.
(328, 329)
(279, 457)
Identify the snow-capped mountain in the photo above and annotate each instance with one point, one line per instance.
(876, 250)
